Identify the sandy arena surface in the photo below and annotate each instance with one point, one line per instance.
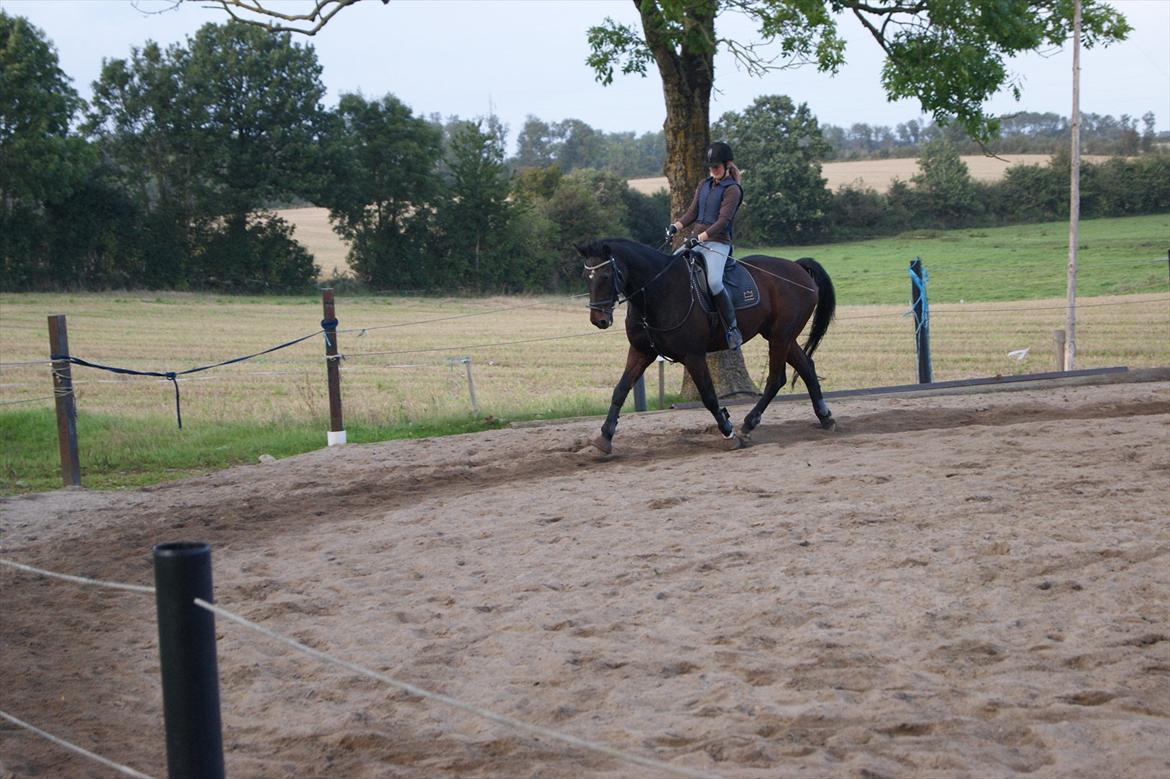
(970, 585)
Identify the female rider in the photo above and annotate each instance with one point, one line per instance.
(712, 214)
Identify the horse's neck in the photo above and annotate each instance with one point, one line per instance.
(642, 270)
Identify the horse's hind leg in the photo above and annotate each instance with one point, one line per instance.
(636, 363)
(808, 373)
(696, 365)
(777, 359)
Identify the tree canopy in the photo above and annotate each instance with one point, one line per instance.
(779, 145)
(38, 159)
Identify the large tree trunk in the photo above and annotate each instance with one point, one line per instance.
(730, 374)
(688, 73)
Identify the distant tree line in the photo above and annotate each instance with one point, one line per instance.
(780, 146)
(943, 195)
(1024, 132)
(169, 178)
(572, 144)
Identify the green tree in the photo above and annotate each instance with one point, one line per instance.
(133, 120)
(475, 214)
(948, 193)
(42, 164)
(39, 160)
(207, 133)
(535, 145)
(779, 145)
(253, 115)
(1033, 193)
(382, 188)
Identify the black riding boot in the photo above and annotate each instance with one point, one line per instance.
(727, 311)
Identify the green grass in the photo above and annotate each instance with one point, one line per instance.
(1022, 262)
(117, 452)
(126, 452)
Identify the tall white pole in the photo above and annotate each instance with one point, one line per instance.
(1074, 203)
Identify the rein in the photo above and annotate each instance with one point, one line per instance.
(776, 275)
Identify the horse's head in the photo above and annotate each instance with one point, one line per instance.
(603, 277)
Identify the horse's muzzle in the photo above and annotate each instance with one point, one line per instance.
(600, 318)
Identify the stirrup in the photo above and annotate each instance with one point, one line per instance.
(734, 338)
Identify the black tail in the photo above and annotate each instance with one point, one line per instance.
(826, 306)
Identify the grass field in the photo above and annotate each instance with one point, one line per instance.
(991, 291)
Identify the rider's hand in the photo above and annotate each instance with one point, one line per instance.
(670, 231)
(691, 243)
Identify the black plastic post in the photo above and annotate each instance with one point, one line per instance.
(186, 647)
(640, 394)
(918, 301)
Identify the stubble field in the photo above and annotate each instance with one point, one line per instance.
(529, 355)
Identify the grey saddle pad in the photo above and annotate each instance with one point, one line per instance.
(736, 280)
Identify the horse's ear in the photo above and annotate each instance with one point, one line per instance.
(580, 249)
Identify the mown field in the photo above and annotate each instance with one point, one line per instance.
(880, 174)
(992, 292)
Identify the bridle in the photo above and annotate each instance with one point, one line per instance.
(607, 306)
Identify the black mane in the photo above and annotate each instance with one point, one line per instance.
(603, 247)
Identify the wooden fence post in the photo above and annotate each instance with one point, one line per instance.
(66, 402)
(471, 387)
(918, 301)
(333, 370)
(1058, 341)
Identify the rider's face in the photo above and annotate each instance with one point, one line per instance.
(717, 171)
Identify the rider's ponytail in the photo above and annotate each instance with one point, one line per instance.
(733, 172)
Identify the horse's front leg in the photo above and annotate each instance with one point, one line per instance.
(636, 363)
(696, 365)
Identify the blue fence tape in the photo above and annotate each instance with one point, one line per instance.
(920, 286)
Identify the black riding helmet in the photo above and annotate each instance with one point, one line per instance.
(718, 153)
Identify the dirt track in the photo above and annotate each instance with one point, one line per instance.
(973, 585)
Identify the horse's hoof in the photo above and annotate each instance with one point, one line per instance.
(602, 443)
(828, 423)
(733, 442)
(745, 434)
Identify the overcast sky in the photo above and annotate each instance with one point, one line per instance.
(522, 57)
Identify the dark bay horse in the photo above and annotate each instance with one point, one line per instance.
(664, 318)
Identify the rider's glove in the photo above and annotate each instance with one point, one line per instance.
(691, 242)
(670, 231)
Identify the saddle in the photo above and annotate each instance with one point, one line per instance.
(738, 283)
